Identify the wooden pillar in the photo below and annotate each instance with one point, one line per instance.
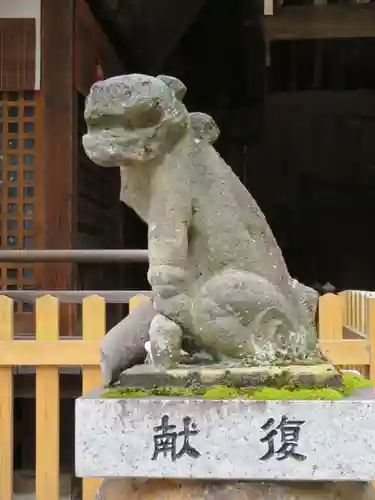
(58, 152)
(58, 134)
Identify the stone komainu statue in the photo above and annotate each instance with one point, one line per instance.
(220, 283)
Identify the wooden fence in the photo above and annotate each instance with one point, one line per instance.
(347, 330)
(350, 312)
(356, 311)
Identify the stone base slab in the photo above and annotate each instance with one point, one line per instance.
(242, 440)
(127, 489)
(146, 376)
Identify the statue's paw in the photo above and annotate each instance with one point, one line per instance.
(165, 342)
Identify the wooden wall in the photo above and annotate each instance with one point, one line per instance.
(17, 54)
(20, 44)
(95, 58)
(312, 172)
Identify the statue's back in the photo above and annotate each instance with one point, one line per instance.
(228, 228)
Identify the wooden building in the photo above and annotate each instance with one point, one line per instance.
(292, 92)
(51, 195)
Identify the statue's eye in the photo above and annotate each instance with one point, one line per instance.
(94, 121)
(104, 122)
(144, 118)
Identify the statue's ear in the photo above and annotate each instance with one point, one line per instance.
(174, 84)
(204, 127)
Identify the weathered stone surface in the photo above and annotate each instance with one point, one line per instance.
(127, 489)
(336, 441)
(146, 376)
(215, 267)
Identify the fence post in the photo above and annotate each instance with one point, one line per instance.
(47, 405)
(6, 405)
(137, 299)
(94, 329)
(331, 316)
(93, 326)
(371, 337)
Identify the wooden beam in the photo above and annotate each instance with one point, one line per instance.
(321, 21)
(83, 256)
(80, 352)
(49, 353)
(76, 296)
(346, 352)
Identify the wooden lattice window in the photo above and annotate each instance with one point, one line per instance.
(18, 154)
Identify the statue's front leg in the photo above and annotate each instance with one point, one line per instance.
(168, 220)
(170, 330)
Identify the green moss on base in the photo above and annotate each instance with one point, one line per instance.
(350, 382)
(222, 392)
(132, 392)
(268, 393)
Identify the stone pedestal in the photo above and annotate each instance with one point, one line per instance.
(146, 376)
(227, 449)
